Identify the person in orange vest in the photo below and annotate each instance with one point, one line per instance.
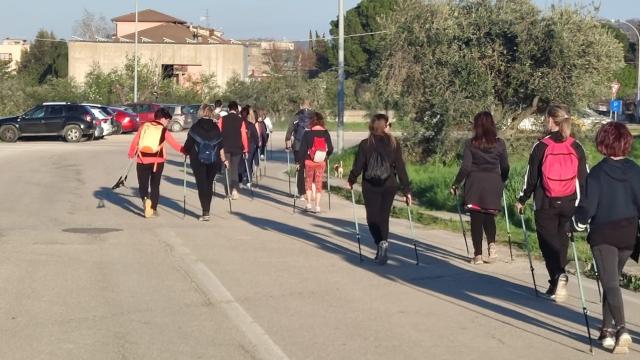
(148, 149)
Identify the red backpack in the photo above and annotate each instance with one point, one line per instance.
(559, 168)
(318, 151)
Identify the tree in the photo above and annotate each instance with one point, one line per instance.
(362, 53)
(445, 61)
(46, 58)
(92, 26)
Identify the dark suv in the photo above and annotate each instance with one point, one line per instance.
(71, 121)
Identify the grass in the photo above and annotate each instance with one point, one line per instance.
(431, 182)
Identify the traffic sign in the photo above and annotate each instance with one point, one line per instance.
(616, 106)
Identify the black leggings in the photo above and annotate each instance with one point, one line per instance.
(378, 202)
(204, 175)
(481, 221)
(147, 178)
(299, 176)
(610, 261)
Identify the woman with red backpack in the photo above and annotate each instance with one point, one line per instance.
(484, 170)
(315, 149)
(556, 177)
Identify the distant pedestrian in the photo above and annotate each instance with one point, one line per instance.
(148, 148)
(219, 112)
(484, 170)
(235, 144)
(556, 177)
(379, 159)
(253, 141)
(205, 149)
(315, 149)
(266, 128)
(293, 138)
(611, 209)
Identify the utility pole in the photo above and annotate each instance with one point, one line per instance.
(135, 59)
(638, 60)
(340, 76)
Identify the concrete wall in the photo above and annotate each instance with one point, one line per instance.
(223, 60)
(16, 53)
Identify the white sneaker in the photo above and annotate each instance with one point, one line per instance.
(623, 342)
(561, 294)
(383, 247)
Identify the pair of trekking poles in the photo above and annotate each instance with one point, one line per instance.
(533, 276)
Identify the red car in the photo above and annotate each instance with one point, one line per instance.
(127, 119)
(145, 111)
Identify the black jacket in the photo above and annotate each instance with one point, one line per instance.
(307, 144)
(252, 131)
(206, 130)
(393, 156)
(533, 176)
(610, 205)
(290, 135)
(484, 172)
(232, 133)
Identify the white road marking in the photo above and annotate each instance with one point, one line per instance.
(208, 283)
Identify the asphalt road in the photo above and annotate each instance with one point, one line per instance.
(84, 276)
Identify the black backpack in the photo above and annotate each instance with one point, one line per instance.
(378, 169)
(208, 150)
(301, 125)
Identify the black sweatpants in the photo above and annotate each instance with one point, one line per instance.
(252, 158)
(300, 176)
(149, 182)
(378, 202)
(263, 147)
(610, 261)
(479, 222)
(204, 174)
(551, 223)
(234, 161)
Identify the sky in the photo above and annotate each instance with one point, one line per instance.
(277, 19)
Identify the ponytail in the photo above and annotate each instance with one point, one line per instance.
(561, 117)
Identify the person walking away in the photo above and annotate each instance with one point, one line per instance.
(253, 141)
(379, 159)
(219, 113)
(235, 144)
(556, 176)
(148, 148)
(484, 171)
(266, 130)
(293, 138)
(611, 209)
(205, 149)
(315, 149)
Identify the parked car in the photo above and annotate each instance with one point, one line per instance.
(183, 116)
(71, 121)
(126, 118)
(104, 119)
(145, 111)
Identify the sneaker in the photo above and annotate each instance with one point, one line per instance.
(623, 341)
(550, 291)
(561, 294)
(493, 252)
(476, 260)
(148, 211)
(308, 208)
(261, 157)
(317, 209)
(235, 195)
(382, 258)
(155, 214)
(204, 218)
(607, 338)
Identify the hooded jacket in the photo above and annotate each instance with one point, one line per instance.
(205, 129)
(610, 205)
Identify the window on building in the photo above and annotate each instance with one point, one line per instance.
(6, 57)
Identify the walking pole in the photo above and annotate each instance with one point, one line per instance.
(213, 197)
(184, 188)
(464, 232)
(296, 196)
(584, 306)
(526, 240)
(125, 173)
(226, 175)
(329, 181)
(413, 233)
(288, 169)
(355, 221)
(249, 176)
(595, 268)
(506, 218)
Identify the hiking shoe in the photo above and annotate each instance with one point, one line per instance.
(623, 341)
(607, 338)
(550, 291)
(493, 252)
(382, 258)
(561, 294)
(261, 157)
(235, 195)
(476, 260)
(308, 207)
(148, 211)
(317, 209)
(204, 218)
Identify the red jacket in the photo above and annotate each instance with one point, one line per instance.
(146, 159)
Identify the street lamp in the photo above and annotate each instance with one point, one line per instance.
(340, 131)
(637, 57)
